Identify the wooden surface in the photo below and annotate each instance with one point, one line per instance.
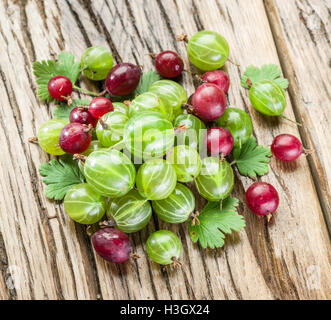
(43, 258)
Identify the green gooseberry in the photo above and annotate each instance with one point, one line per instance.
(189, 130)
(216, 179)
(207, 50)
(149, 101)
(110, 128)
(96, 63)
(49, 134)
(268, 98)
(178, 207)
(239, 123)
(164, 247)
(172, 94)
(130, 213)
(148, 134)
(110, 172)
(186, 162)
(84, 205)
(121, 107)
(156, 179)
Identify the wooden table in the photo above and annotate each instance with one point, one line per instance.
(43, 258)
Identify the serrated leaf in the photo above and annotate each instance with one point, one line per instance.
(251, 159)
(59, 176)
(266, 72)
(146, 80)
(66, 66)
(282, 82)
(62, 110)
(45, 70)
(214, 224)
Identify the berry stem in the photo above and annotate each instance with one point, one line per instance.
(182, 37)
(188, 108)
(89, 128)
(85, 91)
(234, 63)
(103, 124)
(33, 139)
(198, 78)
(286, 118)
(176, 263)
(307, 152)
(68, 99)
(134, 256)
(89, 230)
(249, 82)
(102, 93)
(194, 217)
(269, 217)
(180, 128)
(82, 107)
(152, 55)
(108, 223)
(80, 157)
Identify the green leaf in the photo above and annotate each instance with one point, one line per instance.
(251, 159)
(60, 175)
(214, 224)
(66, 66)
(146, 80)
(62, 111)
(267, 72)
(282, 82)
(45, 70)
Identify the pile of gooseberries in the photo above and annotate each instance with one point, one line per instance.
(145, 152)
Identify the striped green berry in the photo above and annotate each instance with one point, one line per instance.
(186, 162)
(121, 107)
(208, 50)
(268, 98)
(148, 134)
(190, 130)
(156, 179)
(171, 93)
(163, 247)
(110, 128)
(84, 205)
(239, 123)
(215, 181)
(110, 172)
(49, 134)
(177, 207)
(149, 101)
(131, 212)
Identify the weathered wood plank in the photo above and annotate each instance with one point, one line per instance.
(46, 252)
(290, 259)
(272, 249)
(302, 34)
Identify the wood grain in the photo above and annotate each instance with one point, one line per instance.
(302, 32)
(53, 259)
